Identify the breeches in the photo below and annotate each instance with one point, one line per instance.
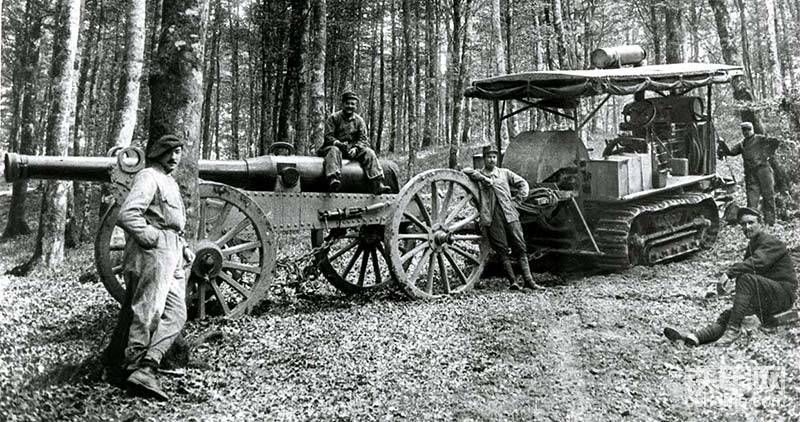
(158, 302)
(364, 155)
(503, 235)
(760, 182)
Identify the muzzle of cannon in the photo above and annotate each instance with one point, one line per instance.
(265, 173)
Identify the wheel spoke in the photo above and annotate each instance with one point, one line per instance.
(448, 196)
(458, 226)
(422, 210)
(201, 298)
(241, 267)
(201, 226)
(352, 261)
(235, 284)
(342, 251)
(241, 248)
(232, 232)
(413, 276)
(412, 236)
(459, 271)
(434, 202)
(116, 246)
(376, 268)
(362, 273)
(443, 276)
(461, 204)
(465, 254)
(220, 220)
(429, 286)
(467, 237)
(117, 269)
(220, 297)
(410, 254)
(417, 222)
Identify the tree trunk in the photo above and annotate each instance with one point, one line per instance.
(655, 28)
(778, 84)
(128, 99)
(233, 24)
(319, 36)
(49, 247)
(558, 28)
(746, 63)
(673, 22)
(730, 54)
(29, 36)
(208, 75)
(382, 88)
(393, 119)
(411, 102)
(460, 15)
(294, 66)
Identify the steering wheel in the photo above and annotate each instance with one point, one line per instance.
(639, 114)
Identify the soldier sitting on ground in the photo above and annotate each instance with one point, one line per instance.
(346, 136)
(500, 217)
(765, 285)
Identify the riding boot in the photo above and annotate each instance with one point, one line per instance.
(526, 275)
(509, 269)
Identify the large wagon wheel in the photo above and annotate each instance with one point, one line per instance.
(357, 260)
(235, 252)
(444, 251)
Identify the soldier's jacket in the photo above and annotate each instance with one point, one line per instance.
(756, 151)
(352, 131)
(766, 256)
(153, 215)
(500, 189)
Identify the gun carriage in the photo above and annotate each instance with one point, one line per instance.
(423, 237)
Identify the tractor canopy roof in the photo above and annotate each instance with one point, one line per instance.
(567, 86)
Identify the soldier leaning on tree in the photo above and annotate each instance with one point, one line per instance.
(765, 285)
(153, 216)
(500, 217)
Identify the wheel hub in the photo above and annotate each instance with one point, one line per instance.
(208, 259)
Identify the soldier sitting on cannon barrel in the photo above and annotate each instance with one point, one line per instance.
(500, 217)
(765, 286)
(346, 136)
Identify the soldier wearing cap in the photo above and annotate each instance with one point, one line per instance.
(765, 285)
(500, 217)
(346, 136)
(759, 179)
(153, 217)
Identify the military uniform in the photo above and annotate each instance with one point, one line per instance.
(759, 179)
(500, 218)
(346, 137)
(766, 284)
(153, 216)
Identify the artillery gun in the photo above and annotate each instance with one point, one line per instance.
(422, 237)
(653, 196)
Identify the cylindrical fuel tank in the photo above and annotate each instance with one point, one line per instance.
(612, 57)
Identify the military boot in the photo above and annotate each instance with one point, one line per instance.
(510, 276)
(732, 333)
(526, 275)
(145, 378)
(378, 188)
(689, 339)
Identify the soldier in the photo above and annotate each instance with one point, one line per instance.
(500, 217)
(759, 180)
(153, 216)
(346, 136)
(765, 285)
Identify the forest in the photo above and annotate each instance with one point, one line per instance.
(233, 77)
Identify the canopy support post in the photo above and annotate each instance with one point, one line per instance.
(498, 126)
(712, 145)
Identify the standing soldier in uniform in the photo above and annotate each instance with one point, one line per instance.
(500, 217)
(759, 180)
(153, 216)
(765, 285)
(346, 136)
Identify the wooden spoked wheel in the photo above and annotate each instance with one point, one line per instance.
(357, 260)
(235, 253)
(443, 249)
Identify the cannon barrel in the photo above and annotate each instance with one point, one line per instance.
(257, 173)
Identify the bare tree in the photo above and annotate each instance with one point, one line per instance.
(318, 29)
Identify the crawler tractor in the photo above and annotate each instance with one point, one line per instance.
(650, 197)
